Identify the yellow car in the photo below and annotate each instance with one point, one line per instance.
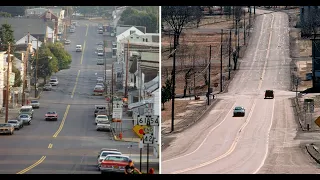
(6, 128)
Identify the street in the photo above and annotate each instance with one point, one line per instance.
(263, 141)
(69, 145)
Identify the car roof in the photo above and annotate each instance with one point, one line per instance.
(110, 152)
(78, 45)
(101, 114)
(24, 115)
(107, 149)
(25, 107)
(117, 155)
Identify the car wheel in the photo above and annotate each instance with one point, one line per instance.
(29, 122)
(11, 133)
(56, 119)
(18, 129)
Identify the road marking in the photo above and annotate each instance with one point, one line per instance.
(87, 29)
(232, 148)
(267, 56)
(62, 122)
(267, 151)
(50, 146)
(204, 138)
(32, 166)
(75, 85)
(84, 46)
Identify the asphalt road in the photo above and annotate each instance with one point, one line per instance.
(69, 145)
(263, 140)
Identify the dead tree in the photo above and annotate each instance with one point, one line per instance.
(310, 21)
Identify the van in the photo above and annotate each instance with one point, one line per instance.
(26, 110)
(97, 108)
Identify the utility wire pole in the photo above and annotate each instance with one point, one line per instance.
(209, 79)
(111, 98)
(238, 39)
(221, 60)
(173, 80)
(8, 83)
(36, 70)
(244, 27)
(25, 72)
(230, 46)
(127, 69)
(105, 62)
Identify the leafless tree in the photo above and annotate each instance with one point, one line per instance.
(310, 21)
(237, 13)
(177, 17)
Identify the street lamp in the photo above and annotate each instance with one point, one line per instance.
(36, 72)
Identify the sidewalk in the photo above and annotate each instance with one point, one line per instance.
(128, 135)
(13, 113)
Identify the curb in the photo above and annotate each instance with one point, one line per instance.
(297, 110)
(117, 139)
(313, 152)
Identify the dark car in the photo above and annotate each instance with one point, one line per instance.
(269, 94)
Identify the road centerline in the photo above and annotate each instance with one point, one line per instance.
(62, 122)
(84, 47)
(75, 85)
(32, 166)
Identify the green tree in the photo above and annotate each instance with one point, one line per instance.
(13, 10)
(17, 78)
(6, 36)
(166, 92)
(85, 10)
(5, 14)
(64, 58)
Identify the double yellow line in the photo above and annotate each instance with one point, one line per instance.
(62, 122)
(75, 86)
(33, 165)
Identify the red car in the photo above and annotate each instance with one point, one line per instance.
(51, 115)
(114, 163)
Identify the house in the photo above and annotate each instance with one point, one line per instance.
(2, 78)
(32, 40)
(34, 12)
(36, 28)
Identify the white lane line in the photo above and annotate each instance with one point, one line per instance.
(205, 139)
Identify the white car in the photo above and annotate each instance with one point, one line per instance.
(104, 154)
(35, 104)
(100, 84)
(100, 52)
(99, 79)
(16, 124)
(54, 82)
(25, 118)
(104, 125)
(101, 118)
(67, 41)
(78, 48)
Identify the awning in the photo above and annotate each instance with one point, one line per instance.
(139, 104)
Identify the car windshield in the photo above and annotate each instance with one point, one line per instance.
(102, 116)
(53, 80)
(5, 125)
(23, 116)
(117, 158)
(238, 108)
(24, 110)
(13, 121)
(33, 101)
(104, 154)
(51, 113)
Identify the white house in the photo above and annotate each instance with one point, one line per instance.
(32, 40)
(1, 77)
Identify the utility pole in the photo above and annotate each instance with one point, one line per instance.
(8, 83)
(233, 16)
(36, 71)
(25, 71)
(127, 69)
(111, 98)
(194, 79)
(221, 60)
(173, 81)
(244, 27)
(105, 61)
(229, 66)
(238, 39)
(209, 79)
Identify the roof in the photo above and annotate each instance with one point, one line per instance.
(37, 11)
(143, 44)
(140, 103)
(21, 26)
(122, 28)
(56, 11)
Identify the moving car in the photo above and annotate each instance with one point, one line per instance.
(98, 90)
(269, 94)
(35, 104)
(54, 82)
(26, 110)
(25, 118)
(51, 115)
(47, 87)
(101, 118)
(16, 124)
(103, 126)
(100, 61)
(239, 111)
(114, 163)
(97, 108)
(6, 128)
(67, 41)
(78, 48)
(104, 154)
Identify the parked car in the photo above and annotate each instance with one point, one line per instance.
(100, 84)
(100, 52)
(100, 43)
(51, 115)
(67, 41)
(99, 79)
(239, 111)
(54, 82)
(6, 128)
(104, 154)
(114, 163)
(100, 31)
(97, 108)
(25, 118)
(35, 104)
(47, 87)
(101, 118)
(269, 94)
(100, 61)
(98, 90)
(26, 110)
(103, 126)
(16, 124)
(78, 48)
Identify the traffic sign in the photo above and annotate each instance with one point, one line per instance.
(148, 139)
(148, 120)
(148, 130)
(117, 104)
(139, 130)
(317, 121)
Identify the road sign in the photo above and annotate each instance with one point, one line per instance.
(141, 144)
(117, 104)
(139, 130)
(148, 129)
(148, 120)
(148, 139)
(317, 121)
(311, 108)
(117, 113)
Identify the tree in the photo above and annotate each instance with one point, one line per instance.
(63, 57)
(310, 21)
(166, 92)
(5, 14)
(85, 10)
(177, 17)
(6, 36)
(17, 77)
(13, 10)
